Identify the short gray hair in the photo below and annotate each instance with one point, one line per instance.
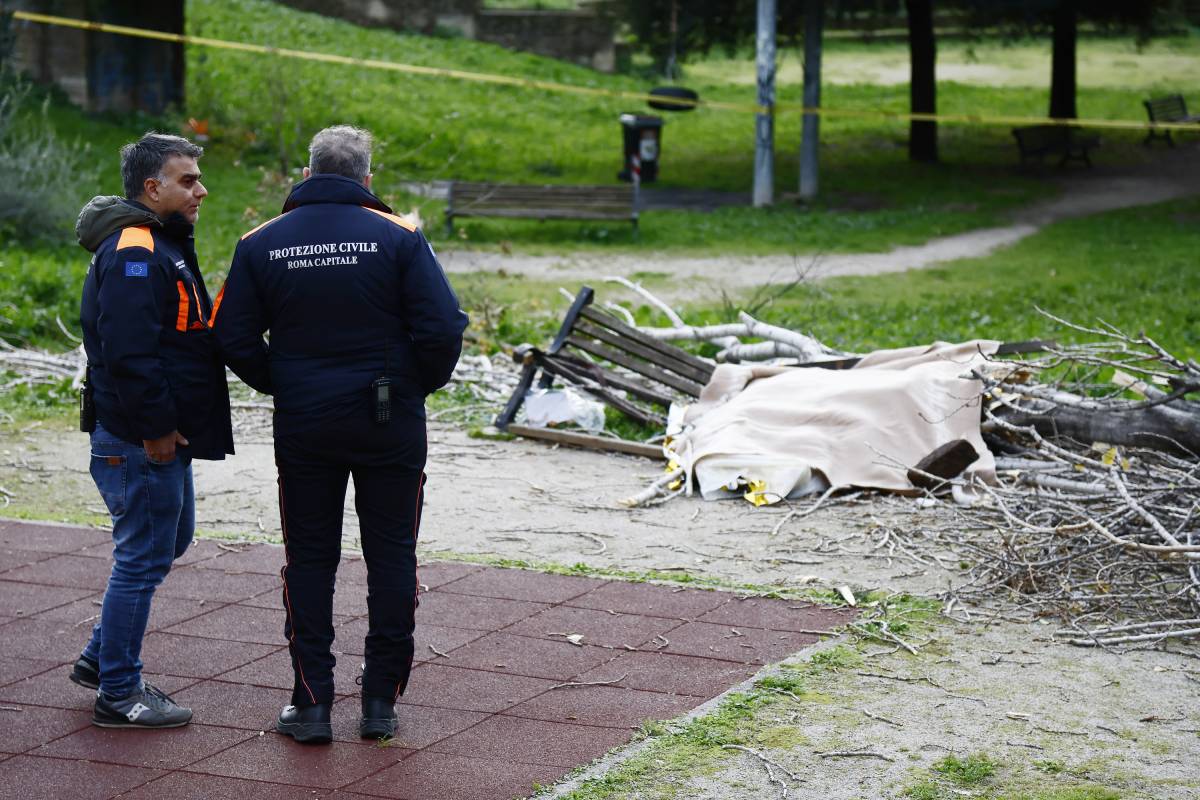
(341, 150)
(145, 158)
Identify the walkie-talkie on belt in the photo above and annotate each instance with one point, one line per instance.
(381, 399)
(381, 389)
(87, 404)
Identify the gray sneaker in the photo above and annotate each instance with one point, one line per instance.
(148, 707)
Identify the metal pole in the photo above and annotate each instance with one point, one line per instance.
(764, 123)
(814, 22)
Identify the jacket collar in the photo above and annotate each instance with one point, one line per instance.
(326, 188)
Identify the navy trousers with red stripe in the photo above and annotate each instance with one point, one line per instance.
(386, 462)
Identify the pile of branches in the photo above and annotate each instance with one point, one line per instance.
(1094, 519)
(1096, 515)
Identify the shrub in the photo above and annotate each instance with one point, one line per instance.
(41, 174)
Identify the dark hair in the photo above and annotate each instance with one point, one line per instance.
(145, 158)
(341, 150)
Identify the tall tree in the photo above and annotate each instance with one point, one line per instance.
(1064, 33)
(922, 86)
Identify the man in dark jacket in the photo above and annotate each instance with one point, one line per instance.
(363, 325)
(158, 388)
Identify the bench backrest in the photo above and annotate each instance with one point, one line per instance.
(634, 373)
(467, 197)
(602, 336)
(1166, 109)
(1036, 137)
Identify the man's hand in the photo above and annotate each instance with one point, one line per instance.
(162, 449)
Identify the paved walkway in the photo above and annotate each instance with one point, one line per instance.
(486, 714)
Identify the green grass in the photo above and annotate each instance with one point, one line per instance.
(969, 771)
(1135, 268)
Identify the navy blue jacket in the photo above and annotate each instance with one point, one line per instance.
(154, 364)
(349, 292)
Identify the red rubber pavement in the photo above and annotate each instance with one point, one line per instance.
(486, 714)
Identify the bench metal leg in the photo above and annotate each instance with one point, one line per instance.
(518, 396)
(449, 225)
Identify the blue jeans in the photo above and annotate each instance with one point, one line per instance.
(153, 512)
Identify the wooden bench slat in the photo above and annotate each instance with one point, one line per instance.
(588, 441)
(544, 202)
(614, 379)
(1171, 108)
(543, 199)
(677, 366)
(545, 213)
(688, 387)
(592, 385)
(1067, 142)
(547, 191)
(666, 348)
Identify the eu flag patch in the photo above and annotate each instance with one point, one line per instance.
(137, 269)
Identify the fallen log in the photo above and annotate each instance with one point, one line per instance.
(1162, 428)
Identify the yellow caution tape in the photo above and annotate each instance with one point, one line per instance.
(552, 86)
(757, 493)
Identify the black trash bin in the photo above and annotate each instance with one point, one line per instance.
(643, 135)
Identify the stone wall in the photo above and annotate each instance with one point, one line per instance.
(583, 37)
(103, 71)
(414, 15)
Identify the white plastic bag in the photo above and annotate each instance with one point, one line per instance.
(548, 407)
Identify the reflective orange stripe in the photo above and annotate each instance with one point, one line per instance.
(212, 319)
(199, 307)
(136, 237)
(182, 318)
(408, 226)
(258, 228)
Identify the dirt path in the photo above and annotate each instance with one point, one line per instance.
(1084, 192)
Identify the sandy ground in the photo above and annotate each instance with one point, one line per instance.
(1129, 722)
(1176, 174)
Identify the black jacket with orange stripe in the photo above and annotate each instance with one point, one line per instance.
(154, 363)
(349, 292)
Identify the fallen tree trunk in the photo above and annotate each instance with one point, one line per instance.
(1156, 427)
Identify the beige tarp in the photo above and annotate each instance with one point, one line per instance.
(786, 430)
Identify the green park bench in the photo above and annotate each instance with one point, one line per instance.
(470, 199)
(1069, 144)
(1171, 108)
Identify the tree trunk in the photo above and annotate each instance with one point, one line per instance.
(1165, 428)
(1062, 70)
(922, 48)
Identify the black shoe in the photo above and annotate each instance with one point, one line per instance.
(148, 707)
(306, 723)
(378, 718)
(86, 673)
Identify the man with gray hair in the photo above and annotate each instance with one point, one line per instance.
(155, 398)
(364, 325)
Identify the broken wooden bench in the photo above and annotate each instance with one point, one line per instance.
(636, 374)
(628, 370)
